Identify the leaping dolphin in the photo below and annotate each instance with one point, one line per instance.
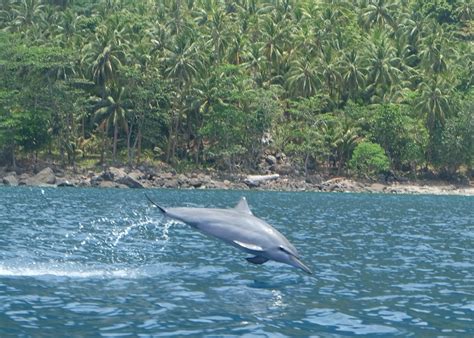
(241, 229)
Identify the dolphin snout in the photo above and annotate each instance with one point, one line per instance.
(296, 262)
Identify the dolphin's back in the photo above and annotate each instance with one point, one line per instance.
(232, 226)
(240, 228)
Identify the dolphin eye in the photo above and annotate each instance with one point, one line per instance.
(284, 250)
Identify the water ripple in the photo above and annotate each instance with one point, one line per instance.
(82, 262)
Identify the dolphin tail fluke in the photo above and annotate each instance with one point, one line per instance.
(163, 210)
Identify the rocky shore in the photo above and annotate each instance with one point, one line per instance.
(150, 178)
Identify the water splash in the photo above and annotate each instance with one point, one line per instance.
(81, 271)
(69, 271)
(111, 241)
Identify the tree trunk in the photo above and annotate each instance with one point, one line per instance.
(139, 146)
(13, 157)
(171, 133)
(306, 161)
(114, 150)
(102, 153)
(129, 149)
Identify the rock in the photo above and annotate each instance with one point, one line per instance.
(217, 185)
(166, 176)
(377, 187)
(10, 180)
(45, 176)
(110, 184)
(62, 182)
(205, 179)
(130, 182)
(195, 182)
(183, 179)
(113, 174)
(171, 184)
(107, 176)
(272, 160)
(84, 183)
(284, 169)
(280, 156)
(137, 174)
(96, 181)
(314, 179)
(256, 180)
(23, 178)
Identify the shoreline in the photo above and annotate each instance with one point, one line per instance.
(114, 177)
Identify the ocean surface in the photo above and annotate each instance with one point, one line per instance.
(104, 262)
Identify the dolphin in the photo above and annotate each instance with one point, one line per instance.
(241, 229)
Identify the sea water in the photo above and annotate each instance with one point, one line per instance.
(104, 262)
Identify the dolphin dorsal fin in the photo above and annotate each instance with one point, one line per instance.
(242, 206)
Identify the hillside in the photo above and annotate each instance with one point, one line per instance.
(359, 88)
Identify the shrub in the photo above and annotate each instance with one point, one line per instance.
(369, 159)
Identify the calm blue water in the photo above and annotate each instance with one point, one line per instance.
(105, 263)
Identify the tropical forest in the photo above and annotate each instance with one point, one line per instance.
(357, 88)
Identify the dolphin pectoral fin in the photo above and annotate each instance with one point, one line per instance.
(242, 206)
(257, 260)
(249, 246)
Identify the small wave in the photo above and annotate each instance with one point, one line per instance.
(346, 323)
(66, 272)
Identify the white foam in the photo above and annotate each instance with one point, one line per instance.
(68, 272)
(78, 271)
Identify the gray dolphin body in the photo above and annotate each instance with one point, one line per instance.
(241, 229)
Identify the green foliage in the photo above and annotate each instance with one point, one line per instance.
(369, 159)
(441, 10)
(204, 81)
(456, 146)
(235, 119)
(32, 130)
(392, 128)
(301, 135)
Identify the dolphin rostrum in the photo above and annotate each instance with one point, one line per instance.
(241, 229)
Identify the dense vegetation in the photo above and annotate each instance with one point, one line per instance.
(218, 83)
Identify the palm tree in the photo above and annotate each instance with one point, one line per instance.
(104, 55)
(256, 63)
(434, 106)
(238, 46)
(464, 10)
(204, 97)
(329, 73)
(382, 67)
(332, 15)
(352, 73)
(303, 78)
(113, 111)
(27, 13)
(410, 31)
(273, 38)
(433, 103)
(67, 28)
(182, 61)
(345, 141)
(435, 50)
(215, 20)
(380, 13)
